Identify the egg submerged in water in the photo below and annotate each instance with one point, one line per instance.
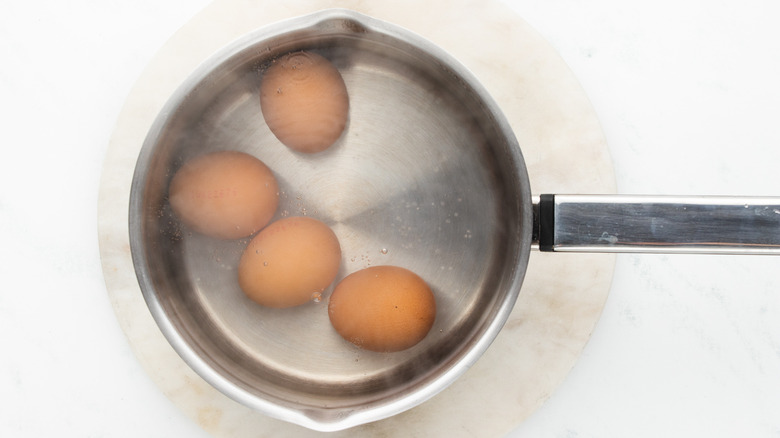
(227, 194)
(304, 101)
(290, 262)
(382, 308)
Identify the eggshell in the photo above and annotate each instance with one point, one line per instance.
(304, 101)
(290, 262)
(382, 308)
(227, 194)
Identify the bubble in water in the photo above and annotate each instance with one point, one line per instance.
(265, 263)
(316, 297)
(384, 251)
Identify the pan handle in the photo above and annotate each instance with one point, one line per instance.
(657, 224)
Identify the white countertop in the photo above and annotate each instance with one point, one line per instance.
(688, 98)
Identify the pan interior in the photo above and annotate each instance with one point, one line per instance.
(424, 177)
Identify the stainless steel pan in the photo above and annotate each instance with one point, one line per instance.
(428, 175)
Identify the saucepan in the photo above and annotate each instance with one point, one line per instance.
(427, 175)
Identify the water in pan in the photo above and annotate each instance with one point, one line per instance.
(414, 181)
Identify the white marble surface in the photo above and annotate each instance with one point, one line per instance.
(688, 99)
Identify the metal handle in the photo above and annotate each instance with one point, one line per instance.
(657, 224)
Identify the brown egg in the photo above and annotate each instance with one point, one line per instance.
(382, 308)
(290, 262)
(228, 194)
(304, 101)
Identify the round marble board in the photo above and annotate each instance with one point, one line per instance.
(564, 148)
